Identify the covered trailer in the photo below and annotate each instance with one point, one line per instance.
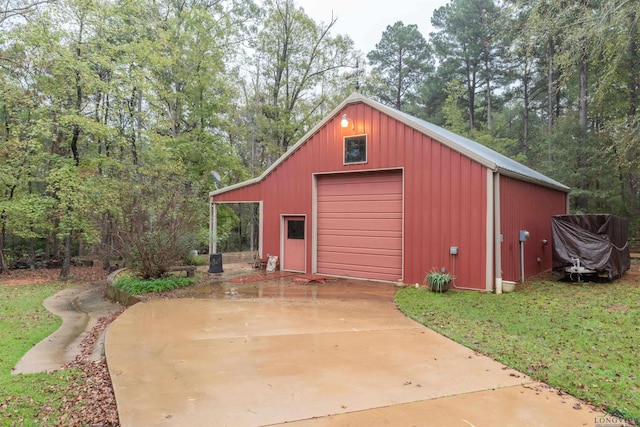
(593, 244)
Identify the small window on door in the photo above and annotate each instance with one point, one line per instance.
(295, 229)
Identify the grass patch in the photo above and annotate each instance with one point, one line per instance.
(26, 399)
(135, 286)
(582, 338)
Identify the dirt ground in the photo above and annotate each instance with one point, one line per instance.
(28, 276)
(631, 277)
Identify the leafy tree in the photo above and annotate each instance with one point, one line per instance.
(401, 60)
(467, 43)
(22, 211)
(158, 217)
(615, 56)
(571, 35)
(72, 209)
(296, 62)
(453, 116)
(103, 86)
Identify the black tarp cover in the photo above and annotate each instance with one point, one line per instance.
(598, 240)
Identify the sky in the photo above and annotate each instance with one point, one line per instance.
(365, 20)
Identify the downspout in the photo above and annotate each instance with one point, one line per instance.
(497, 233)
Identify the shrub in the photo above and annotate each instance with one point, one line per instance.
(438, 281)
(135, 286)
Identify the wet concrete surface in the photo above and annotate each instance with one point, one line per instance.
(285, 287)
(340, 353)
(80, 309)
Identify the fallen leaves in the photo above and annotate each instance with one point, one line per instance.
(43, 275)
(89, 400)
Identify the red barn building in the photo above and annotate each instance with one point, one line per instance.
(374, 193)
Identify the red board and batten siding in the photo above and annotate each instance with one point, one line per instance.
(445, 206)
(526, 206)
(445, 193)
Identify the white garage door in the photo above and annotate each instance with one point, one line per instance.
(360, 225)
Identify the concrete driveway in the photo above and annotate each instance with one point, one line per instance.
(335, 354)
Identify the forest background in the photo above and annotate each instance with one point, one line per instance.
(118, 117)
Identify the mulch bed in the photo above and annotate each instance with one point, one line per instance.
(91, 401)
(311, 278)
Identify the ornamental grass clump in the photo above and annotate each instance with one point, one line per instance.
(439, 281)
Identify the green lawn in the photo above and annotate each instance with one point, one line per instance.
(28, 400)
(582, 338)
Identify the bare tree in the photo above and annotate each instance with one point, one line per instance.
(13, 8)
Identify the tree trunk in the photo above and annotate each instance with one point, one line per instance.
(582, 201)
(471, 93)
(487, 67)
(76, 128)
(55, 246)
(526, 100)
(32, 252)
(107, 241)
(550, 86)
(3, 262)
(65, 271)
(582, 106)
(634, 88)
(47, 249)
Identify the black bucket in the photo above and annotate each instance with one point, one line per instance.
(215, 263)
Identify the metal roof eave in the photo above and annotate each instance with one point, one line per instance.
(354, 98)
(474, 155)
(549, 184)
(401, 117)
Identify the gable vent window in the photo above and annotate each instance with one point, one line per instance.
(355, 149)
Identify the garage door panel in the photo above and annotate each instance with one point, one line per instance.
(360, 243)
(334, 252)
(348, 206)
(370, 260)
(328, 216)
(358, 238)
(359, 187)
(379, 273)
(359, 197)
(359, 228)
(350, 232)
(372, 226)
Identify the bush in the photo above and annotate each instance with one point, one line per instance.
(134, 286)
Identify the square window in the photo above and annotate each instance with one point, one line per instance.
(355, 149)
(295, 229)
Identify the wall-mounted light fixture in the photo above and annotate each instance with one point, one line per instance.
(345, 122)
